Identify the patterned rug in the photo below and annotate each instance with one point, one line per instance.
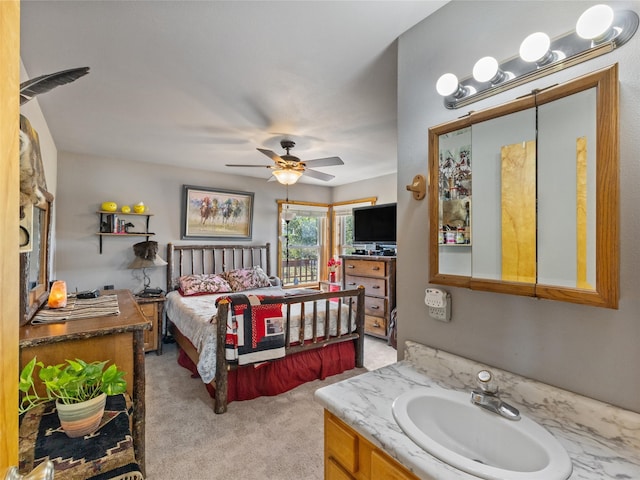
(106, 454)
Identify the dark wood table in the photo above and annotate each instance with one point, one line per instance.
(117, 338)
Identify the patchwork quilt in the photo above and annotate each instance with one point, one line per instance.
(255, 328)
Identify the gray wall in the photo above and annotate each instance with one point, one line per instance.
(589, 350)
(383, 187)
(84, 182)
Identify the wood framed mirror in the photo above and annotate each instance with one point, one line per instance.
(34, 259)
(524, 197)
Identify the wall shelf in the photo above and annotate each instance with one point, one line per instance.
(104, 215)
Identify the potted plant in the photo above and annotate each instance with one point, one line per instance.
(79, 388)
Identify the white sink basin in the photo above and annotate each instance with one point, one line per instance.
(447, 425)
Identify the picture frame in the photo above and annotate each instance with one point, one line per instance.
(216, 214)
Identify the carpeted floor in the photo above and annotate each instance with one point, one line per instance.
(269, 438)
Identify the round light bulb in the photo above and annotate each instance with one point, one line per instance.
(535, 47)
(485, 69)
(447, 84)
(595, 22)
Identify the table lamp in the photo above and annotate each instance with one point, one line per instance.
(147, 257)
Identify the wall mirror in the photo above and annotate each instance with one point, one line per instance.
(524, 197)
(34, 264)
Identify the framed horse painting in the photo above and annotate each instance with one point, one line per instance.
(215, 214)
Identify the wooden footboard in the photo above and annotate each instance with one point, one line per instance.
(354, 299)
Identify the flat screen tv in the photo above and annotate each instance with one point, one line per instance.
(375, 224)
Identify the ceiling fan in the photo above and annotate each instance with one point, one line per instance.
(288, 168)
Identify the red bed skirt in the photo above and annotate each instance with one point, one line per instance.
(284, 374)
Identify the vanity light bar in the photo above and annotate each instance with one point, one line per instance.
(599, 30)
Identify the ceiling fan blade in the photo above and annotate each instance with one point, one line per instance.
(319, 175)
(272, 155)
(324, 162)
(244, 165)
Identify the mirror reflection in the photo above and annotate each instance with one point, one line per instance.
(520, 197)
(34, 264)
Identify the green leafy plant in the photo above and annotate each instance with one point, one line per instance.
(72, 382)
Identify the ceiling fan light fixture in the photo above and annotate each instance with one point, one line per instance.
(287, 176)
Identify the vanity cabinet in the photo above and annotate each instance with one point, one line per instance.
(378, 276)
(349, 456)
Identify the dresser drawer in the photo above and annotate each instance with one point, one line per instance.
(375, 325)
(372, 268)
(372, 286)
(149, 310)
(375, 306)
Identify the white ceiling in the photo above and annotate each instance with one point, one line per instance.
(204, 83)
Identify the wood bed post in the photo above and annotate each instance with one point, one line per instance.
(360, 328)
(169, 267)
(221, 360)
(268, 253)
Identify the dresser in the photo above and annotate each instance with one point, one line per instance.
(118, 338)
(378, 276)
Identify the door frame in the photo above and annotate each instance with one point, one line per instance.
(9, 223)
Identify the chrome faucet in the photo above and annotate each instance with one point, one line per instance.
(486, 396)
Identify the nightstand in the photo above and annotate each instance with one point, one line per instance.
(152, 308)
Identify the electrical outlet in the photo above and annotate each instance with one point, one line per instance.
(442, 313)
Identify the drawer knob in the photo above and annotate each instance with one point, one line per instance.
(351, 283)
(376, 324)
(375, 307)
(351, 266)
(375, 287)
(376, 268)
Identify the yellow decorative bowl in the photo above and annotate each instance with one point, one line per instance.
(126, 209)
(139, 207)
(109, 206)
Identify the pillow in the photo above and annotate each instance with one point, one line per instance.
(203, 284)
(247, 279)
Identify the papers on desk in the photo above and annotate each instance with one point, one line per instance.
(77, 309)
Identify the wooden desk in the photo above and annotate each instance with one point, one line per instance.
(118, 338)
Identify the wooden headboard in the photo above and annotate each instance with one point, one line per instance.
(194, 259)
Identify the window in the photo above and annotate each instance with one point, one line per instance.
(343, 225)
(303, 242)
(313, 233)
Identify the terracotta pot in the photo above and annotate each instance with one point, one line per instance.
(79, 419)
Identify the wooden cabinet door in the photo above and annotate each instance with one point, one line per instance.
(333, 471)
(150, 311)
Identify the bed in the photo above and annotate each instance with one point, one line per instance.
(300, 334)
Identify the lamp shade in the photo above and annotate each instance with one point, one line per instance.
(595, 22)
(146, 263)
(485, 69)
(287, 176)
(535, 47)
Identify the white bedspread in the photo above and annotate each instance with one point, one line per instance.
(195, 317)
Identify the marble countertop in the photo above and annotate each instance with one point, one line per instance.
(602, 440)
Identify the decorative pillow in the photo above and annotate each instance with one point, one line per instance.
(203, 284)
(247, 279)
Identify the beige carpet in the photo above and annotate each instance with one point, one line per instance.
(276, 438)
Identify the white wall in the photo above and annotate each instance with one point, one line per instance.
(589, 350)
(84, 182)
(383, 187)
